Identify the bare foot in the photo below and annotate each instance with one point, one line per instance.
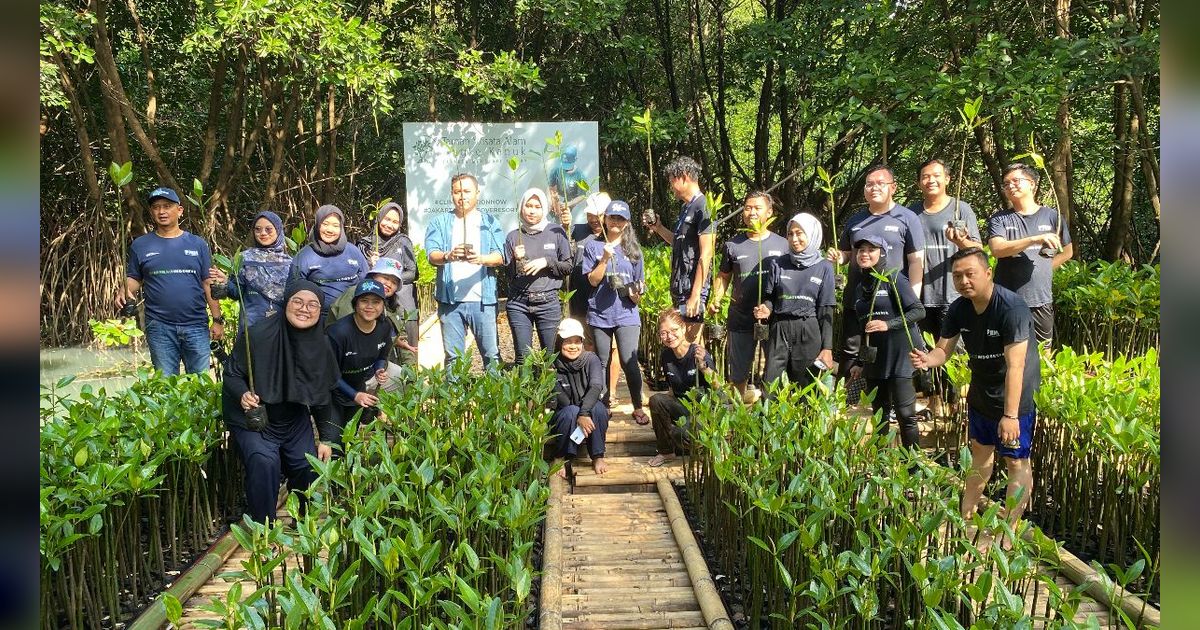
(599, 465)
(562, 472)
(659, 460)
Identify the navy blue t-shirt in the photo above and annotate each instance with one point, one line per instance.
(335, 274)
(681, 372)
(1005, 321)
(796, 291)
(358, 354)
(740, 256)
(694, 220)
(899, 227)
(172, 272)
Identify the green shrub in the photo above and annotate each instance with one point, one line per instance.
(1107, 307)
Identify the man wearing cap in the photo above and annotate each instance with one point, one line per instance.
(171, 266)
(386, 272)
(691, 242)
(361, 343)
(466, 246)
(564, 183)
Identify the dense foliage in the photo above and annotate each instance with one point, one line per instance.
(287, 106)
(429, 521)
(132, 484)
(1107, 307)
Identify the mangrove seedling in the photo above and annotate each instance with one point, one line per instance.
(839, 276)
(1046, 251)
(969, 113)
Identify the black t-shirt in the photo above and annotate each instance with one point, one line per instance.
(740, 257)
(796, 291)
(877, 300)
(694, 220)
(681, 371)
(1005, 321)
(358, 354)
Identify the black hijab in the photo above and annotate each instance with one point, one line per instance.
(314, 235)
(290, 364)
(388, 246)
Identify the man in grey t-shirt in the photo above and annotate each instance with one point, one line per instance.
(1029, 244)
(940, 214)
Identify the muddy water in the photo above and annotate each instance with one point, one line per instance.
(111, 368)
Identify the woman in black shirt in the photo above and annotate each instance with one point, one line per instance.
(281, 371)
(687, 366)
(885, 315)
(577, 405)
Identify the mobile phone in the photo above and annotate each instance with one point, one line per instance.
(577, 435)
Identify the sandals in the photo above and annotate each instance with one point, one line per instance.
(639, 416)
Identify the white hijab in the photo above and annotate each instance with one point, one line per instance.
(543, 222)
(812, 228)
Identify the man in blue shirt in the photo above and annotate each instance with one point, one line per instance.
(466, 246)
(171, 265)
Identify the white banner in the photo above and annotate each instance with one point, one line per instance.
(543, 154)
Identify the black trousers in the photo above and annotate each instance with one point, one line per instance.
(897, 394)
(665, 413)
(267, 456)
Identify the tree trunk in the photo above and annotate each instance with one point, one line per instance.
(987, 148)
(86, 158)
(215, 100)
(1061, 166)
(151, 88)
(1121, 210)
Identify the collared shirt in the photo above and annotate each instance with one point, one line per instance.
(441, 236)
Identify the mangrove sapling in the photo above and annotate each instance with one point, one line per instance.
(971, 120)
(1046, 251)
(828, 187)
(256, 416)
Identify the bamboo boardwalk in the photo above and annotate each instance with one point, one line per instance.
(618, 551)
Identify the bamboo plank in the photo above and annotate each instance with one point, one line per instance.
(550, 615)
(636, 621)
(715, 616)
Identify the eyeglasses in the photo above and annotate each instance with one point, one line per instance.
(1016, 182)
(264, 230)
(669, 332)
(304, 305)
(873, 185)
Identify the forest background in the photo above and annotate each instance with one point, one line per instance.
(262, 104)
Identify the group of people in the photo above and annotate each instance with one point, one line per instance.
(910, 270)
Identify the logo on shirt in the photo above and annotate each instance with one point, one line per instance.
(381, 345)
(350, 353)
(856, 228)
(992, 333)
(191, 252)
(548, 247)
(151, 254)
(774, 252)
(316, 266)
(353, 262)
(814, 280)
(1045, 228)
(785, 276)
(691, 372)
(891, 228)
(742, 256)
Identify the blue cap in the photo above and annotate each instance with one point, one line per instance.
(387, 267)
(368, 286)
(569, 155)
(164, 193)
(618, 208)
(873, 239)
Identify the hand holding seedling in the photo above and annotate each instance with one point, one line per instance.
(920, 359)
(762, 311)
(217, 276)
(381, 376)
(1049, 239)
(610, 248)
(363, 399)
(250, 400)
(586, 424)
(701, 354)
(826, 357)
(565, 216)
(692, 306)
(834, 255)
(533, 266)
(956, 236)
(876, 325)
(459, 252)
(714, 306)
(519, 251)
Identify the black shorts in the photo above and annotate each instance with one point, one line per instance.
(1043, 322)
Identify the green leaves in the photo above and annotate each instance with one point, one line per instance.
(120, 174)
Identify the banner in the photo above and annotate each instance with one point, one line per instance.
(506, 158)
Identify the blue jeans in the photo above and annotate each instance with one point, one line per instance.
(457, 317)
(523, 317)
(169, 343)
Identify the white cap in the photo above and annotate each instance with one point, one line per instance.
(568, 328)
(596, 203)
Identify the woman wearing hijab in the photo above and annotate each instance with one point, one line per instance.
(389, 241)
(262, 274)
(798, 296)
(328, 260)
(615, 267)
(281, 371)
(537, 255)
(884, 315)
(579, 413)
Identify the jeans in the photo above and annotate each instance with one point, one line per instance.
(169, 343)
(457, 318)
(522, 318)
